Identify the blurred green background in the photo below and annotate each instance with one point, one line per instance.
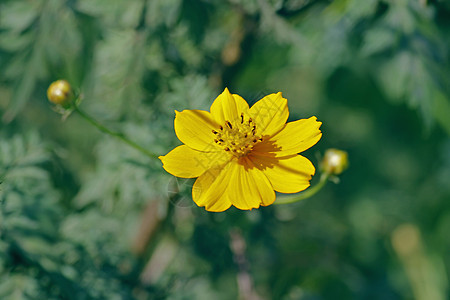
(83, 216)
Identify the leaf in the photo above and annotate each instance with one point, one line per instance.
(119, 13)
(11, 42)
(441, 110)
(18, 15)
(395, 75)
(377, 40)
(18, 287)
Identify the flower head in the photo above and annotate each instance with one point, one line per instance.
(60, 93)
(334, 162)
(242, 155)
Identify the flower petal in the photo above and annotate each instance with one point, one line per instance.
(270, 114)
(294, 138)
(249, 187)
(194, 128)
(287, 175)
(186, 162)
(209, 189)
(228, 107)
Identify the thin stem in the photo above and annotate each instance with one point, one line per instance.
(113, 133)
(306, 194)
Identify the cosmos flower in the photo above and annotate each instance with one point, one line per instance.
(334, 162)
(60, 93)
(242, 155)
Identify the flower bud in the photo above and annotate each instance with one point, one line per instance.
(334, 162)
(60, 92)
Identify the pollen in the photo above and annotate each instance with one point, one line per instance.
(237, 136)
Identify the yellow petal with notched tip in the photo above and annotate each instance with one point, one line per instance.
(228, 107)
(186, 162)
(249, 187)
(209, 189)
(288, 174)
(270, 114)
(294, 138)
(194, 128)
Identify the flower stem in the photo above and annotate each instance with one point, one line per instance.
(306, 194)
(118, 135)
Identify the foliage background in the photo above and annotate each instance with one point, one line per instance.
(85, 217)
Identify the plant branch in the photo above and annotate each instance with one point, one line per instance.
(118, 135)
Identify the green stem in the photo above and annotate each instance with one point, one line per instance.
(113, 133)
(306, 194)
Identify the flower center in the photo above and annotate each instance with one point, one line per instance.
(238, 137)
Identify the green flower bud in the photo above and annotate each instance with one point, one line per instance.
(60, 93)
(334, 162)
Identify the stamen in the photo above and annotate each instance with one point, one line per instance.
(240, 139)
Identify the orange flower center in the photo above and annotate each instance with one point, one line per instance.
(238, 137)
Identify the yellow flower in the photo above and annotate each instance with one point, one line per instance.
(60, 92)
(334, 162)
(240, 154)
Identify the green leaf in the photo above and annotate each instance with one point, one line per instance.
(17, 16)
